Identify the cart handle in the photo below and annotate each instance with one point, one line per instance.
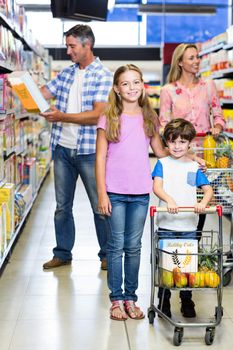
(208, 210)
(200, 134)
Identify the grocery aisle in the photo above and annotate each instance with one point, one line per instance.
(68, 308)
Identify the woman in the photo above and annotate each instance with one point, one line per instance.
(188, 96)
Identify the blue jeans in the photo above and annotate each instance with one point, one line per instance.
(126, 227)
(67, 168)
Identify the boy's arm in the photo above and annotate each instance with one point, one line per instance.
(161, 194)
(208, 194)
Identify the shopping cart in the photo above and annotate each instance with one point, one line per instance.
(221, 180)
(210, 245)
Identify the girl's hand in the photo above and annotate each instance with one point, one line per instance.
(172, 207)
(199, 207)
(202, 163)
(104, 205)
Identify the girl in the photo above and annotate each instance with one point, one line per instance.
(124, 182)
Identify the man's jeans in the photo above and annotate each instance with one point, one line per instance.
(67, 167)
(126, 227)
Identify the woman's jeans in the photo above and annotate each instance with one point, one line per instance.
(163, 234)
(126, 222)
(67, 168)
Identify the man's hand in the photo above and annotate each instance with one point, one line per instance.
(54, 115)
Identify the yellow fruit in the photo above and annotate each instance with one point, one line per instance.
(194, 279)
(201, 279)
(180, 278)
(222, 162)
(167, 279)
(211, 279)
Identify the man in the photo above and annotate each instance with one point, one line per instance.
(81, 92)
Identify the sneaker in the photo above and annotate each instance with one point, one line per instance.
(187, 308)
(166, 307)
(103, 265)
(55, 262)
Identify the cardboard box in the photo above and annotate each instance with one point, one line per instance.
(28, 92)
(3, 241)
(178, 253)
(7, 193)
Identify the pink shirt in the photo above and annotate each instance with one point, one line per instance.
(127, 166)
(178, 101)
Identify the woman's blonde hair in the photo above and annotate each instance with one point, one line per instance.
(115, 108)
(176, 70)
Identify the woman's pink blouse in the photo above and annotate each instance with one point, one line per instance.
(192, 104)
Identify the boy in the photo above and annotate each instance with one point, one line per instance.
(176, 178)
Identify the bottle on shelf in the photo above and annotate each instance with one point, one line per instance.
(209, 145)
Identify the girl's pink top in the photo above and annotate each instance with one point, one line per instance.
(127, 165)
(178, 101)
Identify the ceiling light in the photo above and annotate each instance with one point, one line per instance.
(172, 9)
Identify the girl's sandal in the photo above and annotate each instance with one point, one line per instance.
(133, 311)
(117, 311)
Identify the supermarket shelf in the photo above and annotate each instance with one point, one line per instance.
(221, 73)
(18, 228)
(5, 112)
(216, 48)
(28, 46)
(212, 49)
(229, 134)
(226, 101)
(228, 46)
(6, 67)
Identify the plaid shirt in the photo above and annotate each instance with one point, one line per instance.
(96, 86)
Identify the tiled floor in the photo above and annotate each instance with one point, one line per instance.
(68, 308)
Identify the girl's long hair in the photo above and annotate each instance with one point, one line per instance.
(175, 69)
(115, 108)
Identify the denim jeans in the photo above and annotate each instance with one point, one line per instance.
(124, 242)
(163, 234)
(67, 168)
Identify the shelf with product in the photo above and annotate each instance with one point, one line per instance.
(153, 92)
(25, 155)
(217, 63)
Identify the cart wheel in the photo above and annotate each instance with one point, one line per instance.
(209, 336)
(151, 316)
(178, 335)
(226, 278)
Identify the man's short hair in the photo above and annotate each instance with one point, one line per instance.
(83, 32)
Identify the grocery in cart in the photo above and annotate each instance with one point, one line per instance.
(219, 161)
(187, 264)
